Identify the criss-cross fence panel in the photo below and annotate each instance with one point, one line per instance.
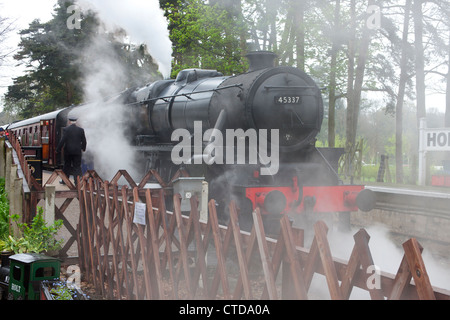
(168, 255)
(33, 193)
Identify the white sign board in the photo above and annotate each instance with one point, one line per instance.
(139, 213)
(437, 139)
(431, 140)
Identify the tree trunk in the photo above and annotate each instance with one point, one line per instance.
(272, 14)
(332, 93)
(350, 79)
(400, 97)
(420, 74)
(300, 33)
(285, 49)
(354, 88)
(351, 73)
(359, 76)
(420, 63)
(447, 92)
(243, 36)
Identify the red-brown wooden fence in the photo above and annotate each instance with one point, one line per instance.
(174, 256)
(126, 260)
(33, 192)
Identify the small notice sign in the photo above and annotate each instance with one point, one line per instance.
(139, 213)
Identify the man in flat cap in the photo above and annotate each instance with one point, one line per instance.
(74, 142)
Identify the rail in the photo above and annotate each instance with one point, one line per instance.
(412, 200)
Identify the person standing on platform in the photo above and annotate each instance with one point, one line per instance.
(74, 143)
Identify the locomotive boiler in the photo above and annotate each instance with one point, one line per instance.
(203, 115)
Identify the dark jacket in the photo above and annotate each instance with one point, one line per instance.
(73, 140)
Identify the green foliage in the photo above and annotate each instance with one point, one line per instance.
(37, 237)
(369, 172)
(205, 36)
(61, 293)
(4, 210)
(50, 51)
(59, 290)
(339, 143)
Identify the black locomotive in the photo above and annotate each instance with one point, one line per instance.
(251, 136)
(281, 106)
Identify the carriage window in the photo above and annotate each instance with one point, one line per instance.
(17, 273)
(44, 272)
(45, 135)
(35, 139)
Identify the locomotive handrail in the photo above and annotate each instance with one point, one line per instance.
(290, 87)
(239, 85)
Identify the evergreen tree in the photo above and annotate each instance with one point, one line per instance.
(53, 54)
(207, 36)
(50, 51)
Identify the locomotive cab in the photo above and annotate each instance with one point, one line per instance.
(27, 270)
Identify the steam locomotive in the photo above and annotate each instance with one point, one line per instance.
(214, 127)
(251, 136)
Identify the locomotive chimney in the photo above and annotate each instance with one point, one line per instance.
(260, 60)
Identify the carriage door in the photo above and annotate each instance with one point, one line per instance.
(45, 139)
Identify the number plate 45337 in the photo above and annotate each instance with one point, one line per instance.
(288, 100)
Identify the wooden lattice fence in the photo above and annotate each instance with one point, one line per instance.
(174, 256)
(30, 192)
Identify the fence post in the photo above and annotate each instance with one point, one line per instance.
(18, 188)
(49, 212)
(13, 194)
(204, 202)
(417, 268)
(12, 175)
(8, 163)
(264, 254)
(2, 157)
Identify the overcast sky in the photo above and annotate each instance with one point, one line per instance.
(22, 12)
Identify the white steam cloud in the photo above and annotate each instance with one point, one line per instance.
(144, 22)
(104, 77)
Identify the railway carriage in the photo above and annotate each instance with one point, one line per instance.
(43, 131)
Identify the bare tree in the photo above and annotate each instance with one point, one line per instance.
(400, 96)
(332, 93)
(420, 68)
(6, 26)
(359, 51)
(447, 104)
(299, 22)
